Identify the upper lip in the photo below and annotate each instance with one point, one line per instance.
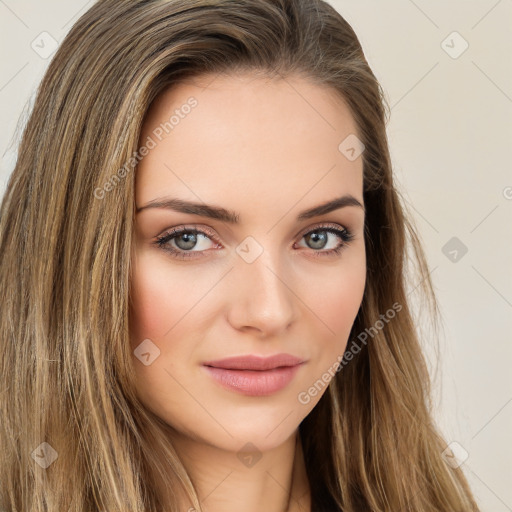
(252, 362)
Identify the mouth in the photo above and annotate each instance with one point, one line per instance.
(252, 362)
(254, 375)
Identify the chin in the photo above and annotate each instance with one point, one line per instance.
(265, 429)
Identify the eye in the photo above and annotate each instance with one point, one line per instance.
(183, 242)
(318, 238)
(179, 242)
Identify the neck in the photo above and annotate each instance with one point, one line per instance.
(226, 481)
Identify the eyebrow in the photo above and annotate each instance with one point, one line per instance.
(232, 217)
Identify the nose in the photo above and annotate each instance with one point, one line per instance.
(264, 300)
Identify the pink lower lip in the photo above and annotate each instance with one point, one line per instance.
(254, 382)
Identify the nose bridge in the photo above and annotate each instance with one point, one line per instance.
(263, 299)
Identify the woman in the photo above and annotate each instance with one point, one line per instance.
(203, 275)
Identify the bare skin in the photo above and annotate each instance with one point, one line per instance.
(267, 149)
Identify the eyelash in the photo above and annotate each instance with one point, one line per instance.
(161, 241)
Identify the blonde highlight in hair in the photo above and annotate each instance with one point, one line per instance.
(67, 370)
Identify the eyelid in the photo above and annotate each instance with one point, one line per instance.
(322, 225)
(191, 227)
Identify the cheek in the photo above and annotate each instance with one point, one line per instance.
(339, 293)
(156, 299)
(157, 314)
(335, 301)
(149, 306)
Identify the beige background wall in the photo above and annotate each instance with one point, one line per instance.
(450, 135)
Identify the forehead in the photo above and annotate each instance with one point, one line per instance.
(247, 140)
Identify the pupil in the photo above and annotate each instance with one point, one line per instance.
(189, 239)
(318, 239)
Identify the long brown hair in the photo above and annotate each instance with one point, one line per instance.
(65, 245)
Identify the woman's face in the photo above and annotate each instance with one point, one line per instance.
(265, 282)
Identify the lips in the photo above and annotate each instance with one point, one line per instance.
(258, 363)
(254, 375)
